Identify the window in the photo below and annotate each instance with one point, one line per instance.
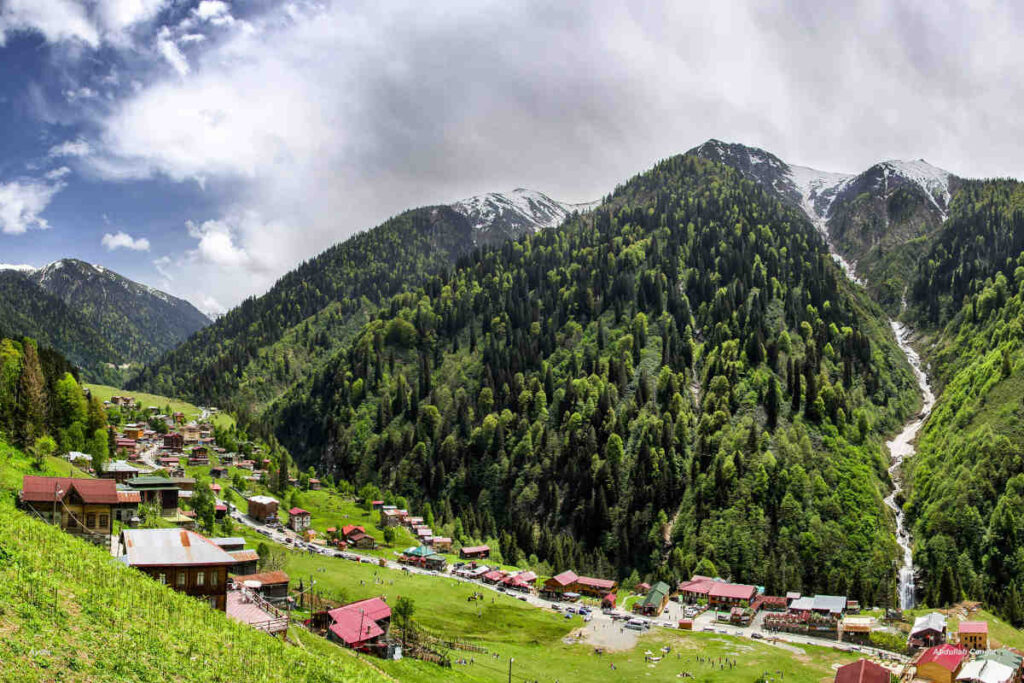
(162, 578)
(201, 578)
(104, 521)
(90, 520)
(181, 579)
(214, 577)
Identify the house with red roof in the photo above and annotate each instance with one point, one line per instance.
(941, 663)
(696, 589)
(359, 625)
(863, 671)
(973, 635)
(570, 582)
(84, 507)
(475, 552)
(730, 595)
(298, 519)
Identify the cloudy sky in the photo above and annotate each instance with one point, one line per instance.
(206, 147)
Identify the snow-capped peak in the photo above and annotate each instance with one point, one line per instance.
(932, 179)
(520, 209)
(817, 189)
(20, 267)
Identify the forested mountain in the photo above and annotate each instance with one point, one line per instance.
(680, 378)
(966, 482)
(259, 349)
(879, 220)
(140, 322)
(94, 316)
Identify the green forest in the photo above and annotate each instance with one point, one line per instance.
(681, 379)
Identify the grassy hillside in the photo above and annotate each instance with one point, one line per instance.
(68, 611)
(104, 392)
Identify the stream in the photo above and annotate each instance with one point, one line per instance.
(901, 446)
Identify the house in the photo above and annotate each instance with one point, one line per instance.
(314, 484)
(522, 582)
(220, 511)
(219, 472)
(655, 601)
(494, 576)
(974, 635)
(986, 671)
(595, 588)
(298, 519)
(169, 462)
(928, 630)
(389, 518)
(941, 663)
(1008, 658)
(229, 543)
(376, 504)
(83, 507)
(134, 432)
(174, 442)
(200, 455)
(125, 447)
(158, 489)
(179, 418)
(361, 541)
(863, 671)
(696, 589)
(182, 559)
(245, 561)
(119, 470)
(263, 508)
(560, 584)
(608, 601)
(127, 508)
(190, 434)
(642, 588)
(724, 594)
(273, 586)
(833, 605)
(441, 544)
(422, 556)
(360, 625)
(475, 552)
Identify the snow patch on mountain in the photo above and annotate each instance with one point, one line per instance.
(520, 208)
(817, 190)
(20, 267)
(932, 179)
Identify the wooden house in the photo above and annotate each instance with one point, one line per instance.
(655, 601)
(298, 519)
(729, 595)
(127, 507)
(475, 552)
(246, 561)
(83, 507)
(174, 442)
(941, 663)
(263, 508)
(863, 671)
(182, 559)
(973, 635)
(360, 625)
(273, 585)
(119, 470)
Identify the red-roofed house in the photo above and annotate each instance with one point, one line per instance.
(298, 519)
(863, 671)
(273, 585)
(561, 583)
(350, 529)
(361, 541)
(696, 588)
(596, 588)
(974, 635)
(359, 625)
(941, 663)
(724, 594)
(475, 552)
(493, 576)
(83, 507)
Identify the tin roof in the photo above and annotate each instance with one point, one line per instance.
(265, 578)
(862, 671)
(948, 657)
(973, 627)
(171, 547)
(244, 555)
(48, 489)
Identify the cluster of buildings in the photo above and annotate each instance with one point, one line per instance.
(391, 516)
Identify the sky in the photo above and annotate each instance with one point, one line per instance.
(206, 147)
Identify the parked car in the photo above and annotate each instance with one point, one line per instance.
(756, 636)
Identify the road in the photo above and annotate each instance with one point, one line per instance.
(602, 630)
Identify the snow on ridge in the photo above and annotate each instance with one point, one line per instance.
(932, 179)
(19, 267)
(817, 190)
(520, 207)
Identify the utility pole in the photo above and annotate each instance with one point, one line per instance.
(510, 660)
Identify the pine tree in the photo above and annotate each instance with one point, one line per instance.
(772, 404)
(32, 405)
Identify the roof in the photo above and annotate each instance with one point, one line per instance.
(1003, 656)
(48, 489)
(494, 575)
(263, 500)
(227, 540)
(604, 584)
(698, 584)
(973, 627)
(526, 576)
(986, 671)
(565, 578)
(119, 466)
(735, 591)
(265, 578)
(349, 528)
(948, 657)
(862, 671)
(477, 549)
(171, 547)
(245, 555)
(657, 594)
(297, 511)
(929, 622)
(819, 603)
(421, 551)
(354, 626)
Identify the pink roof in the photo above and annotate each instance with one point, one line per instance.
(46, 489)
(494, 575)
(698, 584)
(973, 627)
(565, 578)
(297, 511)
(862, 671)
(735, 591)
(949, 657)
(605, 584)
(477, 549)
(347, 619)
(526, 576)
(347, 627)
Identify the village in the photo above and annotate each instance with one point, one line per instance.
(150, 475)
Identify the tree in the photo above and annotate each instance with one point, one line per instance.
(203, 504)
(98, 449)
(772, 404)
(43, 447)
(31, 420)
(389, 535)
(403, 611)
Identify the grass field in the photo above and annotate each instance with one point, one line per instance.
(104, 392)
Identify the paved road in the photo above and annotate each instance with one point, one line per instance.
(600, 621)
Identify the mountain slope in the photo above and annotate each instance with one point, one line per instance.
(140, 322)
(877, 220)
(688, 351)
(259, 349)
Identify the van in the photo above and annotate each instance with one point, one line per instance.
(636, 624)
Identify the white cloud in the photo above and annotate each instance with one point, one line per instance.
(216, 12)
(21, 202)
(217, 245)
(83, 93)
(119, 15)
(71, 148)
(57, 20)
(122, 240)
(58, 173)
(211, 307)
(170, 51)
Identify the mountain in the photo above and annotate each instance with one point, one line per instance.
(94, 316)
(876, 220)
(258, 350)
(680, 379)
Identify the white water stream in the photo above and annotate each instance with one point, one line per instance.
(902, 445)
